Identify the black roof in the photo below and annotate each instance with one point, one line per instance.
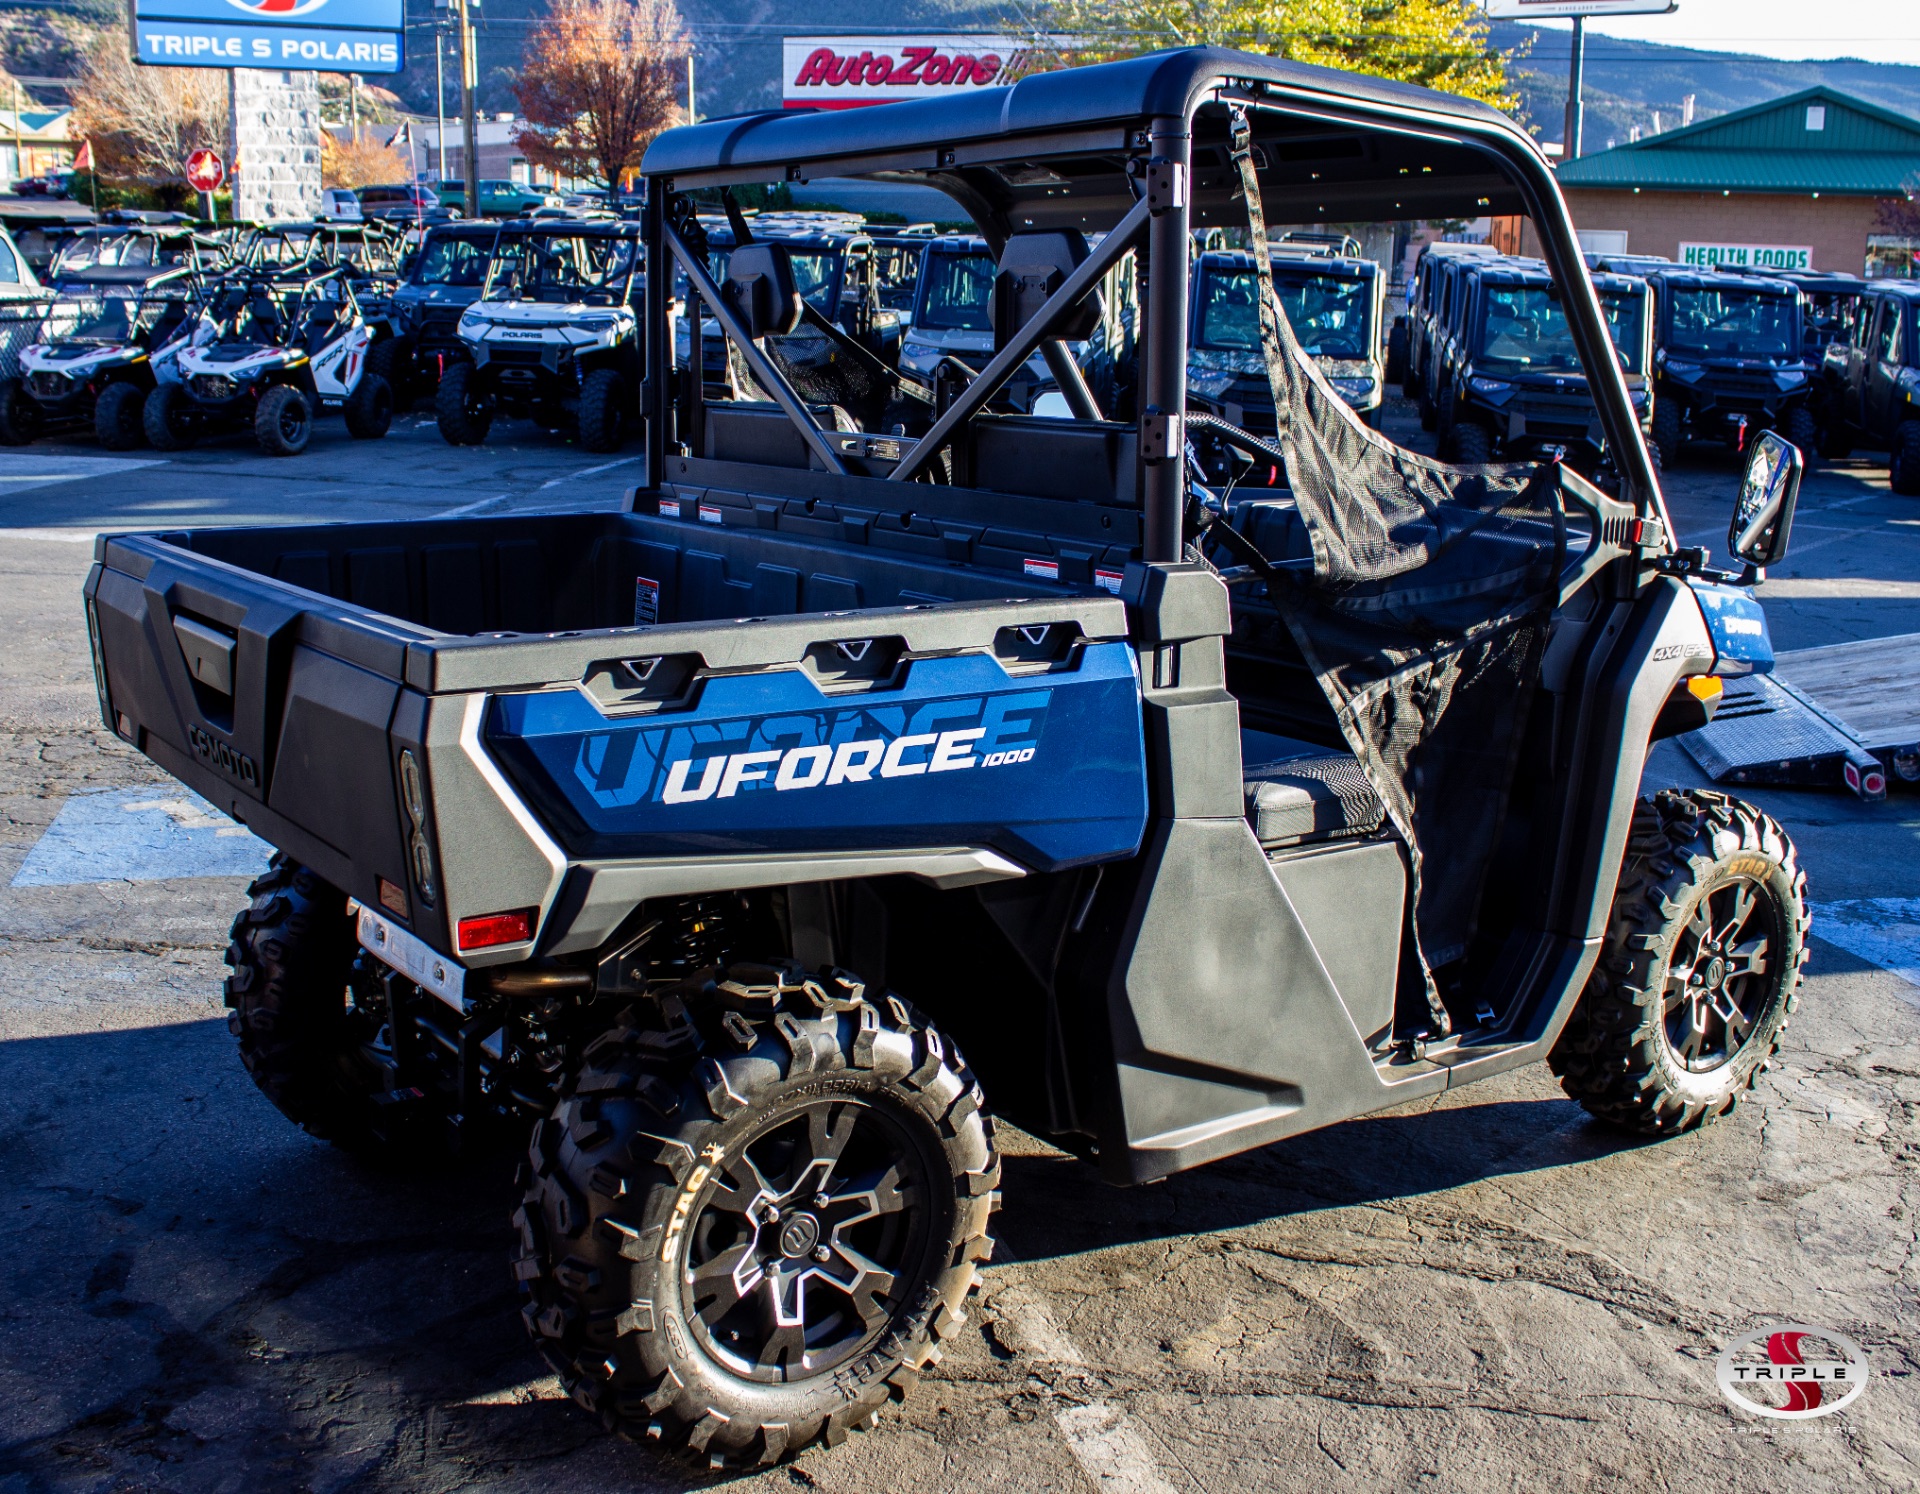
(1330, 264)
(1158, 84)
(611, 228)
(1687, 278)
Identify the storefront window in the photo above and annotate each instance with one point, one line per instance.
(1890, 257)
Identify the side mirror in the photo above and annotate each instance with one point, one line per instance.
(1763, 518)
(760, 290)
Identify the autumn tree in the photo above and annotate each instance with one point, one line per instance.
(145, 121)
(365, 162)
(601, 78)
(1436, 43)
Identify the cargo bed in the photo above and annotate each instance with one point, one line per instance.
(546, 673)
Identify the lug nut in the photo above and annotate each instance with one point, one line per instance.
(823, 1254)
(820, 1200)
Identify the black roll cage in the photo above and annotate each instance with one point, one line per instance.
(1167, 197)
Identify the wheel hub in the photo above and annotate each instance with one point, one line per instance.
(799, 1234)
(1721, 971)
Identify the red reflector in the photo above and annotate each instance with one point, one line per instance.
(490, 929)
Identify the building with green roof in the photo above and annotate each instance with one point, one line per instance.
(1795, 183)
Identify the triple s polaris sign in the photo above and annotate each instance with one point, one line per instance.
(348, 36)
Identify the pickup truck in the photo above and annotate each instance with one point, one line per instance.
(692, 846)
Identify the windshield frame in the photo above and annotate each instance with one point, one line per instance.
(1358, 290)
(1632, 358)
(922, 298)
(1792, 341)
(510, 253)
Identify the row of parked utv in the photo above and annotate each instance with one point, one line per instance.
(1830, 361)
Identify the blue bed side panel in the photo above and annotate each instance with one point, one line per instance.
(1049, 769)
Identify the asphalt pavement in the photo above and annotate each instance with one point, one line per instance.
(1487, 1291)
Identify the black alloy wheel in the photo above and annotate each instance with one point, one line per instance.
(803, 1235)
(1721, 973)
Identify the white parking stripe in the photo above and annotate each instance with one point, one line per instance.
(1884, 931)
(1102, 1437)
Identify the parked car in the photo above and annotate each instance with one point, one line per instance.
(402, 202)
(125, 303)
(498, 199)
(1509, 381)
(1870, 383)
(553, 336)
(741, 850)
(341, 205)
(1729, 358)
(441, 277)
(1334, 305)
(51, 184)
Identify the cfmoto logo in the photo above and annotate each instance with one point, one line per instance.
(277, 7)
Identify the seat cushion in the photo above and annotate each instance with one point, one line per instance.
(1318, 796)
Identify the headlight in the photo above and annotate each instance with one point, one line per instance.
(1680, 370)
(1353, 389)
(599, 323)
(1491, 388)
(919, 356)
(1790, 378)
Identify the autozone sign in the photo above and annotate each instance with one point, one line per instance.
(844, 72)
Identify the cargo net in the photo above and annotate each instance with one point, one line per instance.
(1424, 618)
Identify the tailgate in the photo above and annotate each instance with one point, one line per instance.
(270, 701)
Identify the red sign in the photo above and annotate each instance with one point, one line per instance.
(204, 171)
(843, 71)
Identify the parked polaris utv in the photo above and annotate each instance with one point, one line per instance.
(1509, 381)
(1729, 358)
(269, 356)
(123, 306)
(1426, 309)
(844, 355)
(419, 330)
(954, 319)
(1870, 384)
(1333, 303)
(701, 840)
(554, 335)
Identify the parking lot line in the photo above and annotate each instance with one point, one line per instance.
(1884, 931)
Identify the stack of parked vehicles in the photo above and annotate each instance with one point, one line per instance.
(1869, 392)
(440, 277)
(122, 311)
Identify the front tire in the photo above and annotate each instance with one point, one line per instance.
(167, 418)
(750, 1230)
(118, 415)
(603, 409)
(464, 417)
(1903, 461)
(1666, 430)
(21, 419)
(283, 421)
(1472, 444)
(1701, 968)
(1803, 431)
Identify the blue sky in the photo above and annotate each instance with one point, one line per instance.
(1876, 30)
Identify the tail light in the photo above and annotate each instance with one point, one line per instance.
(489, 930)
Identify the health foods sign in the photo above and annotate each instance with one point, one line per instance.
(348, 36)
(1747, 256)
(844, 72)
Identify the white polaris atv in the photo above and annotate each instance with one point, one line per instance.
(273, 354)
(123, 308)
(554, 336)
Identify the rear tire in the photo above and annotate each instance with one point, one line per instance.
(283, 421)
(603, 410)
(118, 417)
(463, 417)
(791, 1139)
(369, 409)
(390, 358)
(1691, 994)
(21, 419)
(1666, 430)
(302, 1037)
(1836, 441)
(1903, 461)
(1396, 369)
(167, 418)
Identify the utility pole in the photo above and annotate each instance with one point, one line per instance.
(439, 104)
(353, 105)
(693, 113)
(1576, 109)
(19, 161)
(469, 84)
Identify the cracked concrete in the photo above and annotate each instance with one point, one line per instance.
(1485, 1291)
